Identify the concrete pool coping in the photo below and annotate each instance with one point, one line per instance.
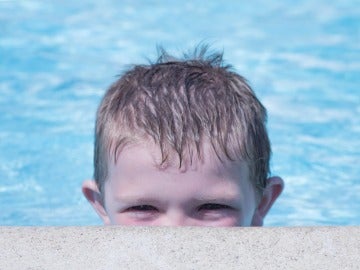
(179, 248)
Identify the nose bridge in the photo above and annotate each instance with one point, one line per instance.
(176, 217)
(173, 218)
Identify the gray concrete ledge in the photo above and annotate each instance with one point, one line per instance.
(179, 248)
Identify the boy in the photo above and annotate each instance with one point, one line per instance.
(182, 143)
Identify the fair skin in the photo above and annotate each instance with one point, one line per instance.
(207, 192)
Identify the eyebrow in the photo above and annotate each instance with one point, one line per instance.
(220, 200)
(224, 195)
(137, 200)
(196, 200)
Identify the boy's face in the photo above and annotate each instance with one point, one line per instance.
(204, 193)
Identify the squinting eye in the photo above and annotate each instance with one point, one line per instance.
(214, 206)
(143, 207)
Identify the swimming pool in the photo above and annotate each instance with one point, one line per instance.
(57, 58)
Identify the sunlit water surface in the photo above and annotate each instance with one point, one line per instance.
(58, 57)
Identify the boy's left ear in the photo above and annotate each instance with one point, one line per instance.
(274, 187)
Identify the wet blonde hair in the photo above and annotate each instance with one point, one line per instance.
(178, 104)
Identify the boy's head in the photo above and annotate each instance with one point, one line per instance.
(183, 137)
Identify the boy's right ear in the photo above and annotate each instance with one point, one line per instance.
(92, 194)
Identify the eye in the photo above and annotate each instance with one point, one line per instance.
(142, 208)
(142, 212)
(213, 206)
(214, 212)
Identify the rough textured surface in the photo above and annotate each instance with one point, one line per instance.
(179, 248)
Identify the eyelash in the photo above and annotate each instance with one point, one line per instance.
(206, 207)
(142, 207)
(214, 206)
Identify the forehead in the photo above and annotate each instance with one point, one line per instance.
(145, 160)
(170, 160)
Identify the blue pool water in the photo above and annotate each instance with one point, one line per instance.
(58, 57)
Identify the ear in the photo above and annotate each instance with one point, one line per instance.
(274, 187)
(92, 194)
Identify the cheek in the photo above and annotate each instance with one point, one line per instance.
(242, 219)
(123, 219)
(230, 221)
(126, 222)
